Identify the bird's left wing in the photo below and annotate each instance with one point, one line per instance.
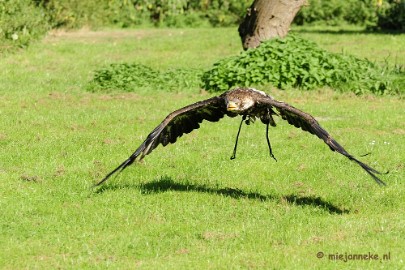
(177, 123)
(308, 123)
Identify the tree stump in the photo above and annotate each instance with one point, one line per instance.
(266, 19)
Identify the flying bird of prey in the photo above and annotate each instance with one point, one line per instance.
(246, 102)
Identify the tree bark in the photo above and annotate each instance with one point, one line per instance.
(266, 19)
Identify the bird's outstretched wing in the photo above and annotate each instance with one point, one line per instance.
(176, 124)
(308, 123)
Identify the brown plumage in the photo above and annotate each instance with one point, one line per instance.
(247, 102)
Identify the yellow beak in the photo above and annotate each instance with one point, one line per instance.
(231, 106)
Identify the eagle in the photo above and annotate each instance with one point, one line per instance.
(250, 104)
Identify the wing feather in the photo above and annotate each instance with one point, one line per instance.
(177, 123)
(308, 123)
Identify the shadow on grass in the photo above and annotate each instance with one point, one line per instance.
(168, 184)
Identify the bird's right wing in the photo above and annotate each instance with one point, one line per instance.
(177, 123)
(308, 123)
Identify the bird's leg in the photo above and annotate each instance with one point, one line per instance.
(237, 137)
(268, 142)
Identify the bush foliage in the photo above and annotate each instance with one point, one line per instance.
(179, 13)
(391, 15)
(131, 77)
(375, 14)
(76, 13)
(175, 13)
(296, 62)
(336, 12)
(284, 63)
(21, 22)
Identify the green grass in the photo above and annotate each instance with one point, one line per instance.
(379, 47)
(187, 205)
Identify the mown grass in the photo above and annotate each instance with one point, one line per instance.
(188, 206)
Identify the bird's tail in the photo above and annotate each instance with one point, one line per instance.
(372, 172)
(335, 146)
(142, 151)
(120, 168)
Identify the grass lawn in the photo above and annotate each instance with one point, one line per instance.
(187, 206)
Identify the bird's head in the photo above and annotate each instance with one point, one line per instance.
(238, 104)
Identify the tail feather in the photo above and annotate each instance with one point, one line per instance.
(120, 168)
(335, 146)
(370, 171)
(126, 163)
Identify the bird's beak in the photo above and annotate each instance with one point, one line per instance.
(231, 106)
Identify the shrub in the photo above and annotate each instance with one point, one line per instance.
(296, 62)
(193, 12)
(131, 77)
(336, 12)
(77, 13)
(175, 13)
(391, 15)
(21, 22)
(181, 13)
(223, 12)
(289, 62)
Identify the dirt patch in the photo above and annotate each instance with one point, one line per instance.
(92, 36)
(30, 178)
(3, 136)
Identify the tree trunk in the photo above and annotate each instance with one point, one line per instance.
(266, 19)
